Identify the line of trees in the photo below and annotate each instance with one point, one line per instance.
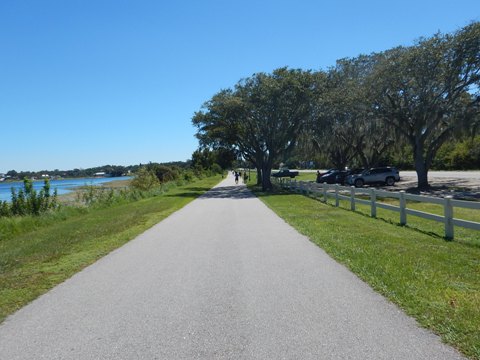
(110, 170)
(408, 100)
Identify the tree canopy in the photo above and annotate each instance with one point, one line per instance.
(261, 117)
(428, 91)
(409, 99)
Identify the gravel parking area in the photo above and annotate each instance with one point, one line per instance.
(463, 185)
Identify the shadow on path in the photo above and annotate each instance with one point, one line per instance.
(228, 192)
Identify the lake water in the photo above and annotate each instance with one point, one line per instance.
(63, 186)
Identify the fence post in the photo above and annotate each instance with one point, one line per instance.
(403, 206)
(373, 203)
(352, 198)
(324, 193)
(448, 213)
(337, 200)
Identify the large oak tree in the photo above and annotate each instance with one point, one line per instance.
(261, 117)
(429, 90)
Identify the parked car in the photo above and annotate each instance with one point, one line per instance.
(329, 177)
(342, 175)
(320, 175)
(284, 172)
(383, 175)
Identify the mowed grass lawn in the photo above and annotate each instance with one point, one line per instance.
(429, 226)
(433, 280)
(38, 253)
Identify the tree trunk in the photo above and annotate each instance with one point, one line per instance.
(421, 169)
(266, 182)
(259, 176)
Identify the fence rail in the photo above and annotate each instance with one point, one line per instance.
(338, 192)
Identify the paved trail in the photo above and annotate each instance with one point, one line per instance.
(223, 278)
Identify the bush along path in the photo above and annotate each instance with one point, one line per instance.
(28, 201)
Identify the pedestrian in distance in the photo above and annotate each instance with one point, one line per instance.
(236, 177)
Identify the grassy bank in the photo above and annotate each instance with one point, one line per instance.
(433, 228)
(435, 281)
(36, 253)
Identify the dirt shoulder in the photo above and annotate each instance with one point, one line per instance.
(464, 185)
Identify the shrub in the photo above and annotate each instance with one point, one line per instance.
(4, 209)
(145, 180)
(28, 201)
(94, 195)
(188, 175)
(167, 173)
(216, 169)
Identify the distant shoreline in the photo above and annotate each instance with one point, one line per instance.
(63, 178)
(65, 186)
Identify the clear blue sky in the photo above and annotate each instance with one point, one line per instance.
(85, 83)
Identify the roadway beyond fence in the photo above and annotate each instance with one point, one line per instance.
(223, 278)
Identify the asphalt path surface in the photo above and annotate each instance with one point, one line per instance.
(223, 278)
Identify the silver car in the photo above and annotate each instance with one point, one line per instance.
(384, 175)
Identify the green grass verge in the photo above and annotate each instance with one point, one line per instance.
(433, 280)
(37, 253)
(434, 228)
(464, 235)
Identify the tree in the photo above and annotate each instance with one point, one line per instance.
(261, 118)
(225, 157)
(12, 173)
(344, 127)
(145, 179)
(203, 159)
(429, 91)
(208, 159)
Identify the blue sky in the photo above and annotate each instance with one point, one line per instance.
(85, 83)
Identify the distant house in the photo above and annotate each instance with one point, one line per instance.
(100, 174)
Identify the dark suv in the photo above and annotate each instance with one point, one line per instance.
(383, 175)
(342, 176)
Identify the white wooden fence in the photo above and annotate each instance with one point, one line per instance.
(339, 193)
